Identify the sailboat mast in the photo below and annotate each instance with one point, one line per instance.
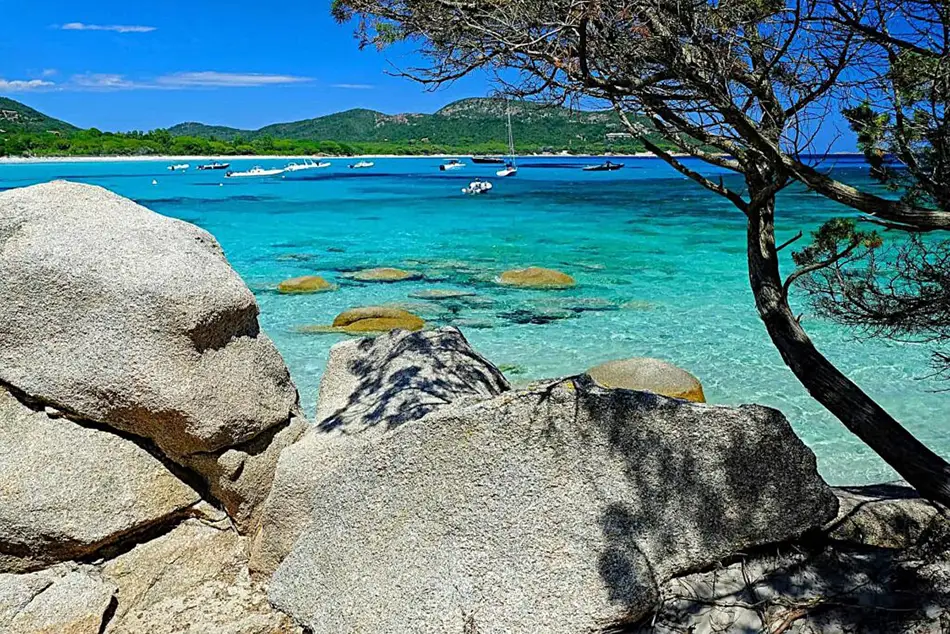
(511, 139)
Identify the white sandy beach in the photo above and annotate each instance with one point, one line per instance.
(10, 160)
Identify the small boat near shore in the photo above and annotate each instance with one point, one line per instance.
(488, 160)
(306, 165)
(361, 165)
(181, 167)
(214, 166)
(451, 164)
(254, 171)
(606, 166)
(477, 187)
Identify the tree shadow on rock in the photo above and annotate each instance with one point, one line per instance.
(403, 376)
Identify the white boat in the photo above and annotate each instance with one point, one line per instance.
(254, 171)
(361, 165)
(178, 168)
(451, 164)
(477, 187)
(511, 167)
(306, 165)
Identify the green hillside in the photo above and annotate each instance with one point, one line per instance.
(469, 124)
(16, 117)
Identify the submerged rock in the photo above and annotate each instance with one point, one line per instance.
(537, 315)
(440, 293)
(652, 375)
(120, 316)
(306, 284)
(536, 277)
(370, 319)
(559, 509)
(371, 387)
(68, 491)
(384, 274)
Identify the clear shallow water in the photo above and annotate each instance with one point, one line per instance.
(660, 266)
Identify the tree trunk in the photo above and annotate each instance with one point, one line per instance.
(918, 465)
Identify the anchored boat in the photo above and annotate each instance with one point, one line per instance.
(214, 166)
(511, 167)
(488, 160)
(306, 165)
(606, 166)
(477, 187)
(181, 167)
(361, 165)
(254, 171)
(451, 164)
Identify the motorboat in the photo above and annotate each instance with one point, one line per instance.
(606, 166)
(511, 167)
(181, 167)
(254, 171)
(306, 165)
(361, 165)
(214, 166)
(488, 160)
(451, 164)
(477, 187)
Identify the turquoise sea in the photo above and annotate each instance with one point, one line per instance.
(660, 266)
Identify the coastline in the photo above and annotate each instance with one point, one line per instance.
(22, 160)
(15, 160)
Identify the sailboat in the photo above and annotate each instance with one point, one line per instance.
(511, 168)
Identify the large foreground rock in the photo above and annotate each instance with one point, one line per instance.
(554, 509)
(370, 387)
(121, 316)
(67, 491)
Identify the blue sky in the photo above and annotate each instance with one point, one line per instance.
(140, 65)
(121, 65)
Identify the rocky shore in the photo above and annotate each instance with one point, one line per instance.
(157, 473)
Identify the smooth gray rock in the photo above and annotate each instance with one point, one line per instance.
(192, 580)
(557, 509)
(883, 515)
(61, 600)
(824, 584)
(370, 388)
(118, 315)
(67, 491)
(401, 376)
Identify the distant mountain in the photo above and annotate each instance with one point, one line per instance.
(16, 117)
(465, 123)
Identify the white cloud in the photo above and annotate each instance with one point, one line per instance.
(49, 72)
(354, 86)
(178, 81)
(219, 80)
(116, 28)
(24, 85)
(103, 81)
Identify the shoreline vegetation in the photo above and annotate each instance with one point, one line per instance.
(470, 126)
